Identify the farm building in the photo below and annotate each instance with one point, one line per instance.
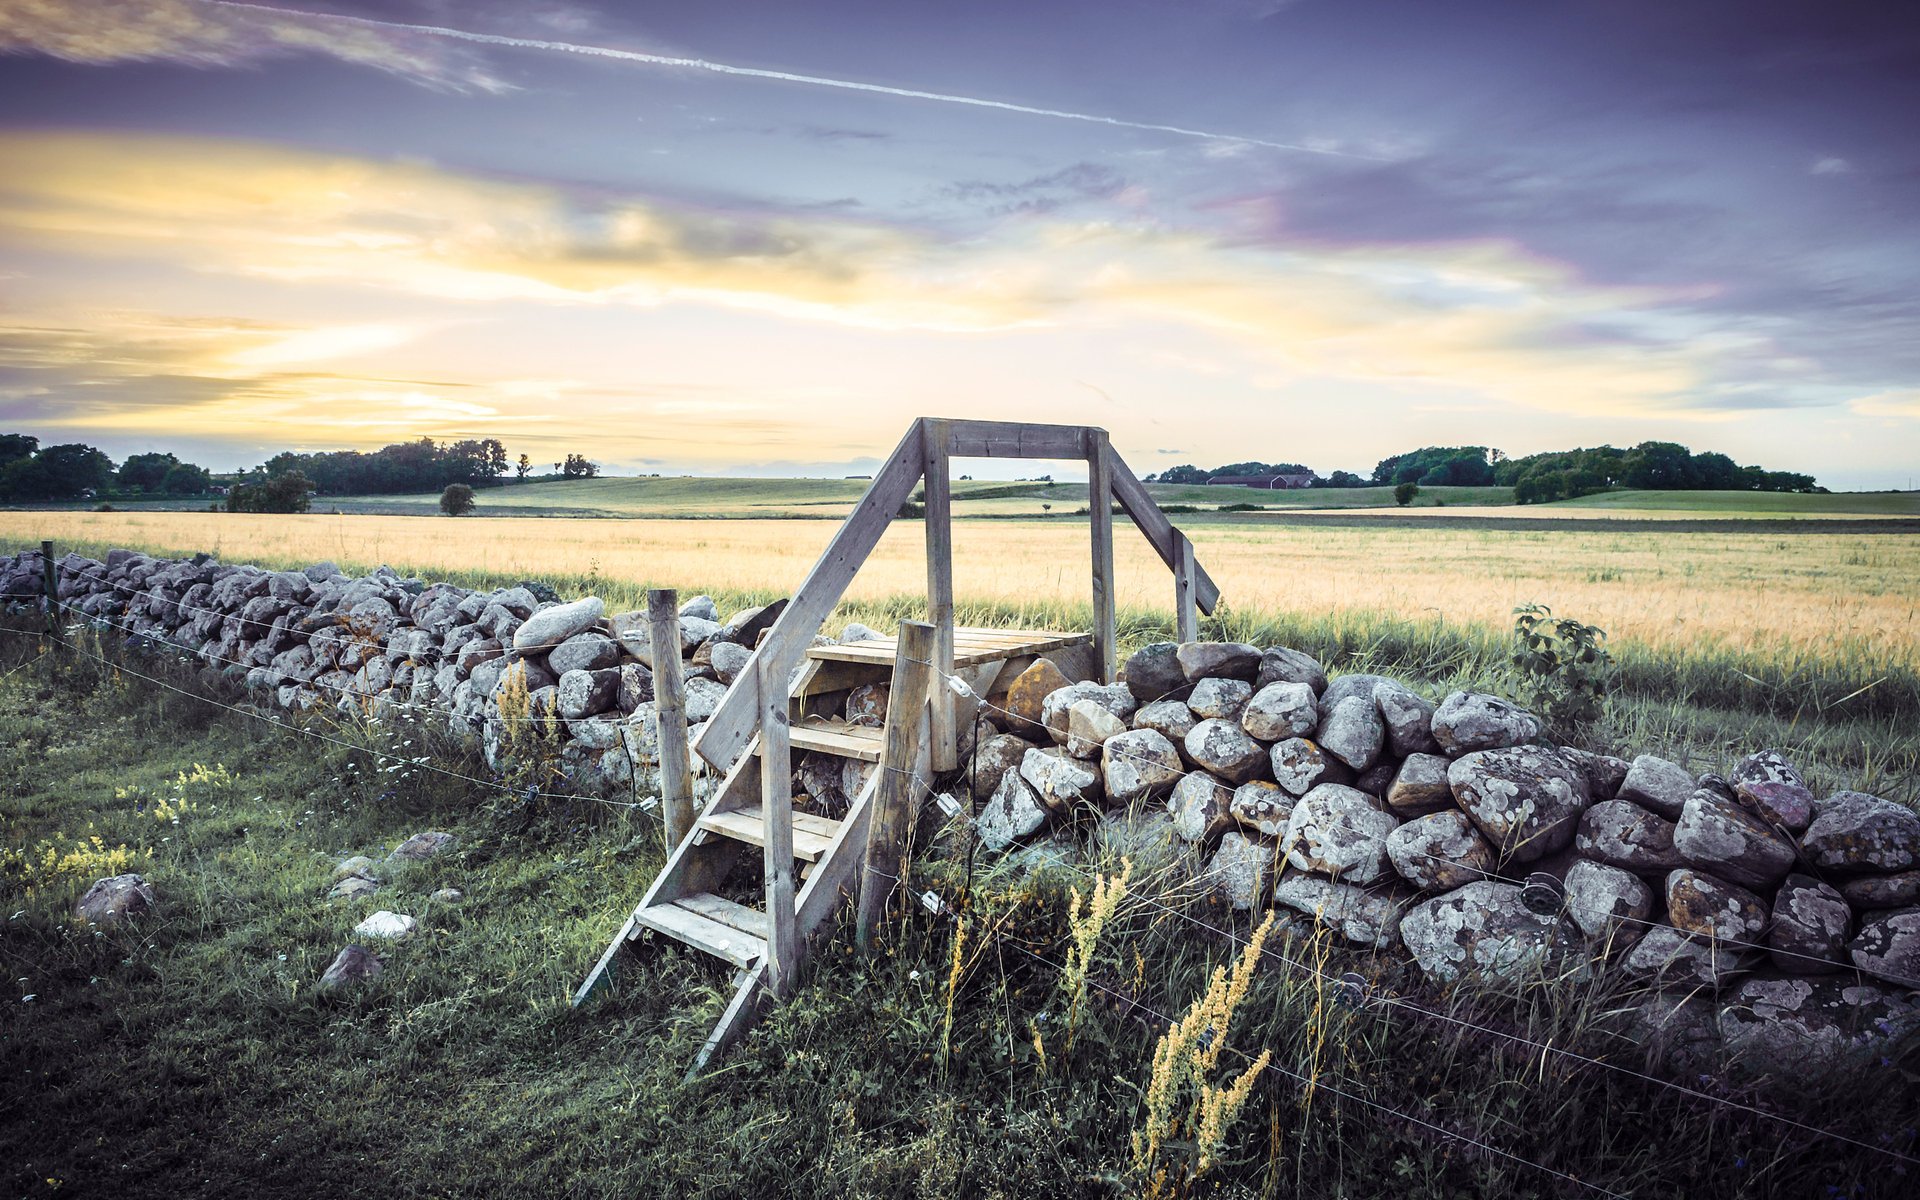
(1271, 483)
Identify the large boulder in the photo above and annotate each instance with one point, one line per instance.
(1059, 779)
(1610, 905)
(1622, 834)
(1439, 852)
(1727, 840)
(1339, 831)
(1279, 711)
(115, 899)
(1482, 931)
(1807, 1029)
(1221, 746)
(1364, 916)
(1280, 664)
(1200, 808)
(1153, 673)
(1299, 765)
(1854, 833)
(1027, 698)
(551, 626)
(1220, 698)
(1138, 765)
(1014, 814)
(1218, 660)
(1527, 800)
(1262, 808)
(1470, 721)
(1658, 785)
(1352, 730)
(1706, 907)
(1888, 945)
(1809, 927)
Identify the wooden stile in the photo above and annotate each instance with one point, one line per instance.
(670, 712)
(887, 848)
(1186, 621)
(939, 530)
(776, 815)
(1100, 508)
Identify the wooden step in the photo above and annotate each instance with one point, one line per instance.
(702, 932)
(812, 833)
(750, 921)
(829, 735)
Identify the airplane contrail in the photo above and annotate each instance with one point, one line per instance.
(851, 85)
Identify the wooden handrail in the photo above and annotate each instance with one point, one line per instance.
(1159, 532)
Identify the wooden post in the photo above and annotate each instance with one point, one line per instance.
(670, 714)
(1100, 506)
(776, 816)
(945, 733)
(1186, 614)
(50, 582)
(887, 847)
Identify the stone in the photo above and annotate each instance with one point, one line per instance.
(1888, 945)
(1439, 852)
(702, 607)
(1483, 932)
(1088, 728)
(1218, 660)
(1706, 907)
(477, 652)
(551, 626)
(1366, 917)
(422, 846)
(1666, 955)
(1408, 718)
(589, 651)
(1609, 905)
(1027, 696)
(1059, 779)
(352, 965)
(1470, 721)
(1731, 842)
(1854, 833)
(1766, 766)
(867, 705)
(1419, 786)
(1809, 1029)
(702, 698)
(636, 686)
(696, 632)
(1338, 831)
(1112, 697)
(1172, 718)
(1261, 807)
(1239, 870)
(1281, 664)
(1784, 805)
(1657, 785)
(1718, 785)
(1808, 928)
(389, 926)
(1526, 800)
(1882, 891)
(1140, 764)
(1622, 834)
(1353, 732)
(114, 900)
(353, 887)
(993, 757)
(728, 659)
(358, 864)
(448, 895)
(586, 693)
(1222, 747)
(1279, 711)
(1200, 809)
(1604, 772)
(1375, 780)
(1014, 814)
(1153, 673)
(856, 632)
(1220, 698)
(1299, 765)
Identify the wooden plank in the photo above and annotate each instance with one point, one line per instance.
(776, 815)
(887, 844)
(968, 652)
(1157, 529)
(733, 722)
(837, 737)
(703, 933)
(1186, 620)
(1100, 510)
(828, 675)
(939, 532)
(670, 706)
(749, 828)
(750, 921)
(749, 998)
(1015, 439)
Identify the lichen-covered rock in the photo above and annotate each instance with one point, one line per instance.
(1054, 710)
(1766, 766)
(1339, 831)
(1218, 660)
(1482, 931)
(1364, 916)
(422, 846)
(1172, 718)
(1854, 833)
(1027, 698)
(1408, 718)
(728, 660)
(115, 899)
(1014, 814)
(1897, 890)
(1731, 842)
(1808, 928)
(1353, 732)
(589, 651)
(1420, 786)
(1777, 802)
(1527, 800)
(1657, 785)
(1061, 780)
(1239, 869)
(1666, 955)
(702, 697)
(1220, 698)
(1139, 765)
(1375, 780)
(1088, 728)
(1888, 945)
(1153, 673)
(1281, 664)
(585, 693)
(1224, 748)
(1279, 711)
(1622, 834)
(1299, 765)
(1609, 905)
(1806, 1029)
(1439, 852)
(1470, 721)
(551, 626)
(1262, 807)
(352, 965)
(993, 757)
(1604, 772)
(1706, 907)
(1200, 808)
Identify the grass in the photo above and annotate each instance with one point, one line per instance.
(190, 1055)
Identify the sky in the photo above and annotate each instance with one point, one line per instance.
(751, 238)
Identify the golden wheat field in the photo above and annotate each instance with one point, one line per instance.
(1837, 597)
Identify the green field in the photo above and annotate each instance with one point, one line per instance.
(1784, 504)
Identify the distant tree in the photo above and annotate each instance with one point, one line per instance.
(288, 492)
(63, 472)
(16, 446)
(496, 457)
(523, 469)
(577, 467)
(146, 472)
(1341, 479)
(1404, 493)
(456, 500)
(185, 479)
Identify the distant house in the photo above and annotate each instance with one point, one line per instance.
(1270, 483)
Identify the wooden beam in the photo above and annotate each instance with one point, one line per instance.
(1100, 508)
(887, 845)
(1153, 524)
(670, 710)
(733, 722)
(776, 815)
(939, 526)
(1186, 620)
(1015, 439)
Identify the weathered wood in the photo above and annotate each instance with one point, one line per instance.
(939, 532)
(733, 722)
(50, 580)
(807, 842)
(1154, 526)
(1015, 439)
(1100, 509)
(776, 815)
(838, 738)
(971, 647)
(750, 921)
(1186, 620)
(749, 997)
(887, 847)
(670, 710)
(703, 933)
